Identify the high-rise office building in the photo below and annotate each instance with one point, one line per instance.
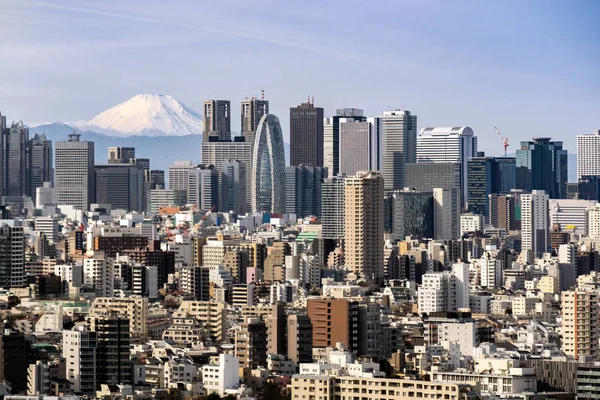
(14, 147)
(121, 155)
(217, 119)
(448, 145)
(398, 146)
(588, 155)
(409, 213)
(359, 145)
(251, 113)
(74, 179)
(217, 153)
(331, 137)
(268, 167)
(446, 214)
(2, 157)
(179, 176)
(303, 190)
(534, 222)
(39, 163)
(486, 176)
(79, 347)
(364, 225)
(12, 254)
(121, 186)
(588, 187)
(306, 135)
(423, 176)
(233, 187)
(542, 165)
(204, 186)
(333, 206)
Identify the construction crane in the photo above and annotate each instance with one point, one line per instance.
(504, 140)
(204, 218)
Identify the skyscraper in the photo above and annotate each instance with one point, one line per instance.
(12, 254)
(425, 176)
(14, 145)
(542, 165)
(217, 119)
(233, 187)
(446, 214)
(303, 190)
(448, 145)
(74, 179)
(252, 112)
(333, 204)
(268, 167)
(204, 186)
(120, 155)
(358, 144)
(588, 155)
(364, 225)
(2, 133)
(306, 135)
(179, 176)
(331, 137)
(399, 146)
(121, 186)
(40, 163)
(486, 176)
(534, 222)
(218, 152)
(411, 213)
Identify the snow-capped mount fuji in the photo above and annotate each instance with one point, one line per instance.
(147, 115)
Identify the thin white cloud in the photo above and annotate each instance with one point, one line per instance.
(192, 27)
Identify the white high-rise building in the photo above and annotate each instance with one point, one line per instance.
(98, 272)
(437, 293)
(491, 271)
(398, 146)
(594, 221)
(570, 214)
(79, 349)
(534, 222)
(448, 145)
(588, 154)
(446, 213)
(179, 176)
(203, 186)
(221, 374)
(470, 223)
(463, 291)
(74, 178)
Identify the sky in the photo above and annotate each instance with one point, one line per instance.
(531, 68)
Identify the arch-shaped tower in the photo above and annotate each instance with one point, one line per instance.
(268, 167)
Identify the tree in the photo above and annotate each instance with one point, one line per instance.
(213, 396)
(271, 392)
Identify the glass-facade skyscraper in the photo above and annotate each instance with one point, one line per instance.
(542, 165)
(485, 176)
(268, 167)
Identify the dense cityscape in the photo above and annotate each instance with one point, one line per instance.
(385, 261)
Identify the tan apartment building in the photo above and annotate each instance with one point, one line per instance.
(581, 331)
(364, 225)
(333, 321)
(133, 308)
(210, 313)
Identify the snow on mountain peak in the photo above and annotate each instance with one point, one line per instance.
(149, 115)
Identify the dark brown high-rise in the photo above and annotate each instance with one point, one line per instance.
(306, 135)
(334, 321)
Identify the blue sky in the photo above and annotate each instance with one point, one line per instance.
(531, 68)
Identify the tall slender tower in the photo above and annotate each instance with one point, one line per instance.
(268, 167)
(399, 146)
(40, 163)
(217, 119)
(252, 111)
(331, 137)
(2, 133)
(364, 225)
(534, 222)
(14, 146)
(74, 180)
(306, 135)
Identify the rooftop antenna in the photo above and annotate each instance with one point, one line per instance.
(262, 94)
(313, 100)
(308, 99)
